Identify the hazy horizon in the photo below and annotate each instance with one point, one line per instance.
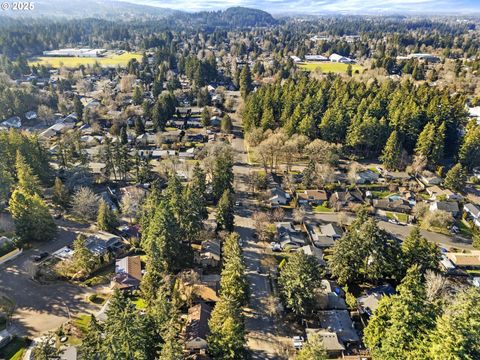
(323, 6)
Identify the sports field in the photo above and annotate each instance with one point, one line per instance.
(327, 67)
(111, 60)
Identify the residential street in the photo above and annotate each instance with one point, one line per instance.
(40, 308)
(263, 340)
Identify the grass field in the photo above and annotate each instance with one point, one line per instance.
(74, 62)
(327, 67)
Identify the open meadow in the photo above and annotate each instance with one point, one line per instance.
(327, 67)
(111, 60)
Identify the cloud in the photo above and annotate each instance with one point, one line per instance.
(320, 6)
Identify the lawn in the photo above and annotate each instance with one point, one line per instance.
(74, 62)
(15, 349)
(464, 228)
(321, 208)
(82, 322)
(327, 67)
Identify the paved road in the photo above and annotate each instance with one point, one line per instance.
(262, 339)
(40, 308)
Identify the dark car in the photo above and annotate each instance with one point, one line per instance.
(40, 257)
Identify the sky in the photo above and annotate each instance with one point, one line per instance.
(325, 6)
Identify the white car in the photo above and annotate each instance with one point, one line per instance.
(393, 221)
(298, 342)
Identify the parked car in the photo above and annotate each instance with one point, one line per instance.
(298, 342)
(393, 221)
(40, 257)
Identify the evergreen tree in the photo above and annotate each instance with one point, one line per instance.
(137, 95)
(233, 285)
(456, 178)
(227, 335)
(60, 193)
(392, 153)
(457, 332)
(245, 81)
(225, 215)
(222, 175)
(27, 180)
(431, 142)
(91, 347)
(299, 277)
(313, 349)
(106, 218)
(226, 124)
(78, 107)
(44, 350)
(206, 116)
(139, 126)
(83, 260)
(123, 135)
(32, 218)
(469, 153)
(416, 250)
(401, 320)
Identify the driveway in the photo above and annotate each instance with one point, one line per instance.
(41, 308)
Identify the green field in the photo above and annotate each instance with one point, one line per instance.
(74, 62)
(327, 67)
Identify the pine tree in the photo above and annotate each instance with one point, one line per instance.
(123, 135)
(60, 193)
(32, 218)
(456, 178)
(233, 285)
(27, 180)
(400, 320)
(91, 347)
(225, 216)
(106, 218)
(137, 95)
(227, 335)
(245, 81)
(206, 116)
(83, 260)
(78, 107)
(298, 279)
(226, 124)
(469, 153)
(418, 251)
(392, 152)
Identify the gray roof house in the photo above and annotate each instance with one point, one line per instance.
(448, 206)
(102, 241)
(278, 197)
(288, 237)
(473, 211)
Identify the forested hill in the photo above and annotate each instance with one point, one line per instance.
(233, 17)
(104, 9)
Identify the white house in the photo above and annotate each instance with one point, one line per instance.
(341, 59)
(474, 212)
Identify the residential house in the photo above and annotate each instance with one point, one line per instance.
(13, 122)
(196, 331)
(313, 57)
(30, 115)
(211, 253)
(436, 193)
(128, 273)
(465, 261)
(428, 178)
(345, 199)
(367, 177)
(395, 205)
(329, 297)
(278, 197)
(312, 197)
(368, 303)
(331, 343)
(102, 241)
(332, 230)
(315, 252)
(473, 212)
(288, 237)
(339, 321)
(448, 206)
(316, 237)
